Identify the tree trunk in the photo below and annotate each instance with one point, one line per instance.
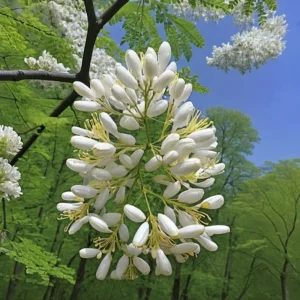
(176, 285)
(185, 293)
(10, 295)
(79, 279)
(284, 292)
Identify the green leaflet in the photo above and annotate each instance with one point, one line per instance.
(38, 261)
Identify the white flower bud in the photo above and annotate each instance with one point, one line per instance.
(177, 88)
(185, 94)
(133, 63)
(101, 175)
(104, 149)
(109, 124)
(107, 81)
(127, 139)
(132, 250)
(172, 189)
(141, 265)
(216, 229)
(67, 206)
(141, 236)
(181, 115)
(207, 243)
(163, 264)
(117, 104)
(83, 143)
(120, 195)
(130, 182)
(122, 266)
(168, 226)
(169, 143)
(150, 67)
(151, 51)
(99, 224)
(185, 219)
(205, 154)
(191, 231)
(213, 202)
(111, 219)
(184, 248)
(216, 169)
(207, 144)
(123, 233)
(161, 82)
(89, 252)
(126, 161)
(102, 198)
(83, 90)
(157, 108)
(84, 191)
(131, 94)
(129, 123)
(186, 167)
(170, 213)
(206, 183)
(134, 214)
(164, 56)
(170, 157)
(104, 267)
(185, 146)
(191, 196)
(80, 131)
(78, 224)
(136, 156)
(87, 106)
(154, 163)
(125, 77)
(78, 165)
(172, 67)
(202, 135)
(97, 88)
(116, 171)
(120, 94)
(69, 196)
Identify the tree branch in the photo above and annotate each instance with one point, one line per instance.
(18, 75)
(83, 75)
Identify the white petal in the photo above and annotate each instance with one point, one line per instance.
(184, 248)
(206, 183)
(187, 167)
(127, 139)
(78, 165)
(87, 106)
(126, 161)
(191, 231)
(169, 143)
(104, 267)
(213, 202)
(134, 214)
(154, 163)
(133, 63)
(185, 219)
(78, 224)
(125, 77)
(83, 90)
(207, 243)
(141, 236)
(69, 196)
(111, 219)
(216, 229)
(124, 233)
(109, 124)
(129, 123)
(122, 266)
(169, 212)
(163, 264)
(89, 252)
(101, 174)
(120, 195)
(202, 135)
(150, 67)
(161, 82)
(83, 143)
(157, 108)
(136, 156)
(170, 157)
(141, 265)
(172, 189)
(99, 224)
(102, 198)
(97, 88)
(84, 191)
(132, 250)
(172, 67)
(164, 56)
(191, 196)
(168, 226)
(104, 149)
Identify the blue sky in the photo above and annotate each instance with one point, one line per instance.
(270, 95)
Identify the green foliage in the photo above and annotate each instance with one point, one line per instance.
(185, 73)
(38, 261)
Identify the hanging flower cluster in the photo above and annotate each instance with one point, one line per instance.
(71, 19)
(199, 11)
(251, 48)
(116, 198)
(10, 144)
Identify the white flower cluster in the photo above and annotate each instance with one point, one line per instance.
(184, 9)
(46, 62)
(115, 193)
(251, 48)
(10, 144)
(70, 17)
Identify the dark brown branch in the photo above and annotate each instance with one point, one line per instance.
(18, 75)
